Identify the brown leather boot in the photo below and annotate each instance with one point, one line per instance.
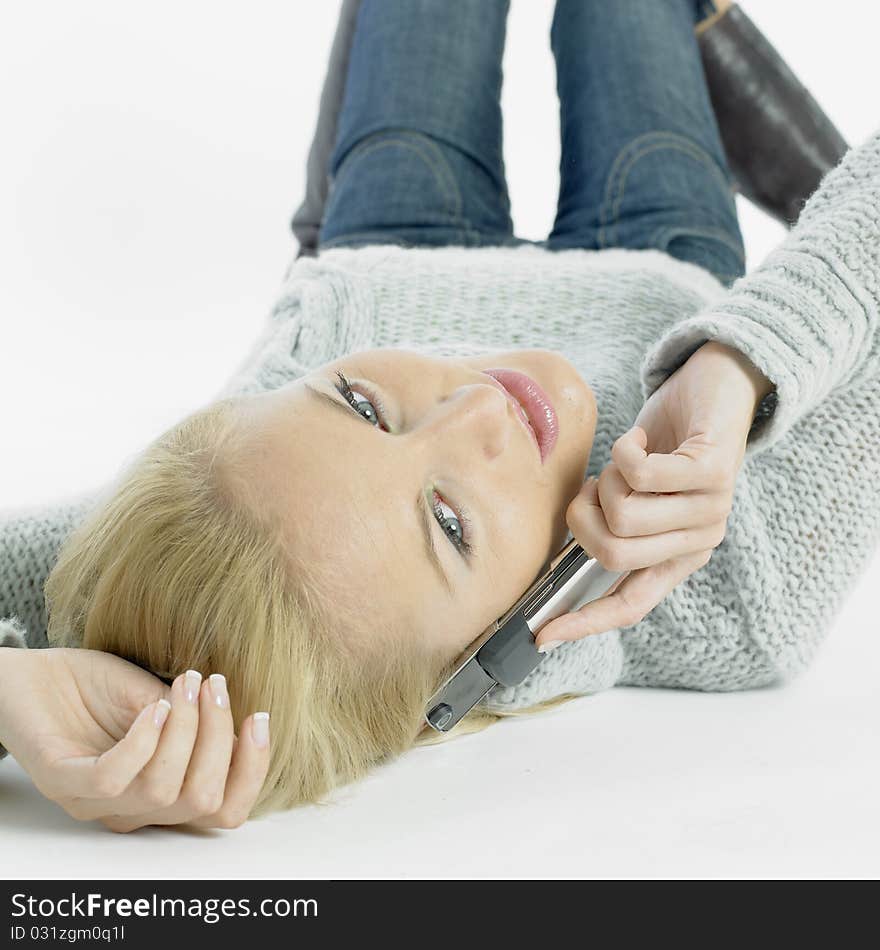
(779, 142)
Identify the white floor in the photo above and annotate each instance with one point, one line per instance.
(150, 169)
(779, 783)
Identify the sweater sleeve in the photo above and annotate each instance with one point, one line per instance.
(30, 539)
(807, 317)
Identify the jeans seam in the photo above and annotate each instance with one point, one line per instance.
(617, 177)
(477, 237)
(440, 134)
(376, 236)
(353, 236)
(659, 237)
(718, 234)
(440, 170)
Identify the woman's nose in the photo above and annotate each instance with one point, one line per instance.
(475, 418)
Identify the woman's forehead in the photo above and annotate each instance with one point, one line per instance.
(342, 504)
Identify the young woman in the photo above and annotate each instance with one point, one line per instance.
(405, 447)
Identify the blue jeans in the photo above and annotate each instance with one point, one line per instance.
(418, 153)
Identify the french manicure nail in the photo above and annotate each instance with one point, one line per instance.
(218, 690)
(161, 714)
(260, 729)
(550, 645)
(191, 684)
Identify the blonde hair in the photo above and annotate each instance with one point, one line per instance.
(175, 569)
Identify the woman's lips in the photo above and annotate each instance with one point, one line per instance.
(534, 402)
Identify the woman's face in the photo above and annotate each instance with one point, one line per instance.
(356, 489)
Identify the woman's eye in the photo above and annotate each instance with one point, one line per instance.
(364, 406)
(457, 528)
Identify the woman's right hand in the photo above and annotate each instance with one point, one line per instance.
(658, 516)
(107, 740)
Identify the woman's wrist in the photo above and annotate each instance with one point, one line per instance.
(6, 663)
(736, 361)
(11, 660)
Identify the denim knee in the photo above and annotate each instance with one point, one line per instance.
(665, 191)
(405, 187)
(389, 180)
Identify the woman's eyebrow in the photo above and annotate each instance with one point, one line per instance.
(421, 505)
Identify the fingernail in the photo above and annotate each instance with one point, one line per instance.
(260, 729)
(550, 645)
(161, 713)
(191, 684)
(218, 690)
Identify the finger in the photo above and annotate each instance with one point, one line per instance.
(629, 452)
(127, 687)
(120, 825)
(633, 599)
(108, 775)
(630, 513)
(694, 465)
(160, 783)
(247, 773)
(203, 787)
(587, 522)
(205, 783)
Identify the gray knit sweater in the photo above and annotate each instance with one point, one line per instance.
(806, 512)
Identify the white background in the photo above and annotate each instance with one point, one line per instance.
(152, 158)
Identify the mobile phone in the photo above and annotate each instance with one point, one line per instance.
(505, 653)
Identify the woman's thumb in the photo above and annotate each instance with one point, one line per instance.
(138, 688)
(639, 435)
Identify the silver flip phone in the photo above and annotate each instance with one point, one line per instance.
(505, 652)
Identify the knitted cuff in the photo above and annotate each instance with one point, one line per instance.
(11, 635)
(762, 346)
(807, 316)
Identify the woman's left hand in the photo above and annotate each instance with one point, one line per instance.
(659, 515)
(107, 740)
